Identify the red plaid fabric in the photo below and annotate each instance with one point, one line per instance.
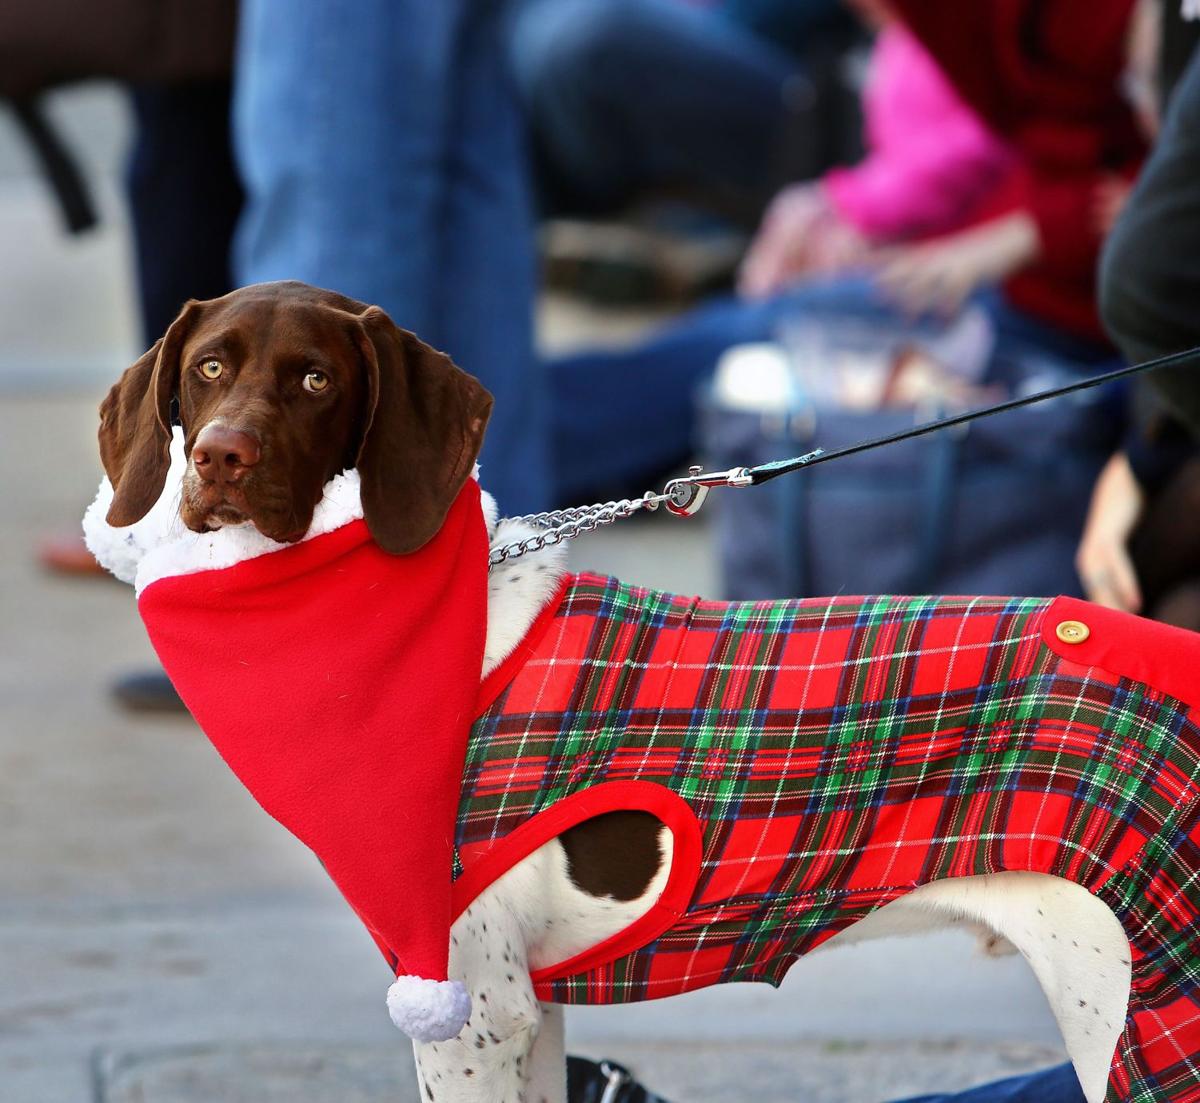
(817, 759)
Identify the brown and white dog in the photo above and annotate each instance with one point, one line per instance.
(282, 386)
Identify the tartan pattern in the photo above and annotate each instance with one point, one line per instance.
(838, 752)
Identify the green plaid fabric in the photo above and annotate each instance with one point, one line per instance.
(838, 752)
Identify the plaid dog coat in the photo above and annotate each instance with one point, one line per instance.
(817, 759)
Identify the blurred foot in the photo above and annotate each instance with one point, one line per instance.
(604, 1082)
(68, 554)
(147, 691)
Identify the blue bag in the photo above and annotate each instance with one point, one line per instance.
(994, 507)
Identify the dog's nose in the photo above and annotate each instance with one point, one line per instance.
(224, 455)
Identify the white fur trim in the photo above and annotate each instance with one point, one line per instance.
(120, 550)
(160, 545)
(429, 1010)
(191, 552)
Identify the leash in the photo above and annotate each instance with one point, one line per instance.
(685, 495)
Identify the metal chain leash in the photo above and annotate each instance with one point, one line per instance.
(682, 496)
(566, 524)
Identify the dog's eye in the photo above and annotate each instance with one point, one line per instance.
(211, 369)
(315, 382)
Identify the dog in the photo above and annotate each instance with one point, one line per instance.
(615, 891)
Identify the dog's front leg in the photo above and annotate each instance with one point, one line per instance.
(490, 1061)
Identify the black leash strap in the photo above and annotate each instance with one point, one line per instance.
(755, 476)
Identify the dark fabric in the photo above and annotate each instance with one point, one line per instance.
(48, 42)
(1054, 1085)
(727, 113)
(791, 24)
(1166, 546)
(1150, 272)
(1156, 450)
(184, 197)
(1176, 46)
(58, 165)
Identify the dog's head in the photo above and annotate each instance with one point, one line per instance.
(279, 387)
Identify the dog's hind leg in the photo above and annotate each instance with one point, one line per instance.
(1072, 941)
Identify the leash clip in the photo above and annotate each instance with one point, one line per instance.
(685, 495)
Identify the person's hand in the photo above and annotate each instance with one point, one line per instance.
(1102, 560)
(937, 276)
(801, 233)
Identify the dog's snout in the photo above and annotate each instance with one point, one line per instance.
(224, 455)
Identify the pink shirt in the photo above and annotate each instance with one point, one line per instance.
(930, 161)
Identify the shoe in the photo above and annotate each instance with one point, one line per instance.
(147, 691)
(604, 1082)
(68, 555)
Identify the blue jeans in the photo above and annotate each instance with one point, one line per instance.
(604, 443)
(1056, 1085)
(382, 151)
(625, 95)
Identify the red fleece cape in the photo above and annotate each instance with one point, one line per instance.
(337, 682)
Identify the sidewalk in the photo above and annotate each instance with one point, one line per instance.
(162, 941)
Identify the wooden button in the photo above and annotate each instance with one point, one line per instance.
(1072, 631)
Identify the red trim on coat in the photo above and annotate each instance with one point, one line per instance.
(611, 796)
(1145, 651)
(497, 681)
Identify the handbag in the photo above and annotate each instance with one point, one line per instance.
(995, 507)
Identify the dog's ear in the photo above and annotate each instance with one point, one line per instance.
(423, 428)
(135, 425)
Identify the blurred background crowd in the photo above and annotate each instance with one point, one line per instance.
(721, 231)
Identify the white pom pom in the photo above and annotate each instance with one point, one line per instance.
(429, 1010)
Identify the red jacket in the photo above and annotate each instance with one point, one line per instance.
(1046, 75)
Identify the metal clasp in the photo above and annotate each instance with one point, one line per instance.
(618, 1078)
(684, 496)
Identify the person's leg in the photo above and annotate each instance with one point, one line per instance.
(1150, 269)
(487, 270)
(355, 131)
(626, 94)
(184, 198)
(1055, 1085)
(341, 118)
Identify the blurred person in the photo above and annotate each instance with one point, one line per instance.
(184, 202)
(713, 99)
(939, 212)
(174, 57)
(1140, 550)
(382, 151)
